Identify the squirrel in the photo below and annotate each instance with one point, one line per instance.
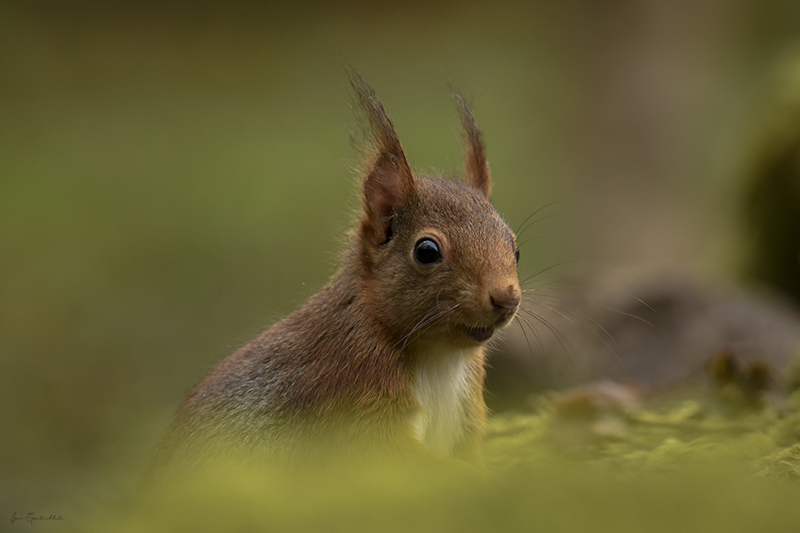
(390, 354)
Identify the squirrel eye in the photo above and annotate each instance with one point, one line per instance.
(426, 252)
(516, 254)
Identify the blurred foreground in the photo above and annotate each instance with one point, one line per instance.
(599, 460)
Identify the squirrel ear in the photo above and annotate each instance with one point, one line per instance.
(477, 168)
(389, 184)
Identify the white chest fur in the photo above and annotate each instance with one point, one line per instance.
(442, 388)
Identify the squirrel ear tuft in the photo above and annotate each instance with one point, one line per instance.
(389, 184)
(477, 169)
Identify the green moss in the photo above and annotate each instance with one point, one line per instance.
(678, 467)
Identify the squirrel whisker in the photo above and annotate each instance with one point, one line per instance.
(424, 322)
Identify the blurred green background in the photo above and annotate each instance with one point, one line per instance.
(174, 177)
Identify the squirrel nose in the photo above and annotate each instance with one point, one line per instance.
(505, 302)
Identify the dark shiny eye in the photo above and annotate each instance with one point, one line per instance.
(426, 252)
(516, 254)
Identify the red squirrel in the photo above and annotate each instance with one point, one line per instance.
(389, 355)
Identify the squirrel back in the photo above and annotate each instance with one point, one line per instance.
(390, 354)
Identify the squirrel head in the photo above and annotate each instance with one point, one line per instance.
(435, 259)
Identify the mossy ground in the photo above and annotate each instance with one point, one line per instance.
(686, 464)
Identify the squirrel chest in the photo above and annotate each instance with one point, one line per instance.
(443, 387)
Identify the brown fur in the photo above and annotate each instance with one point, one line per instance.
(339, 373)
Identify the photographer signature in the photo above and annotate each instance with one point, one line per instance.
(31, 518)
